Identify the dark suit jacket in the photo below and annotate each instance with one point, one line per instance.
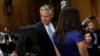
(98, 36)
(45, 43)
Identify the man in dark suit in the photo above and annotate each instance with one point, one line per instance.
(45, 41)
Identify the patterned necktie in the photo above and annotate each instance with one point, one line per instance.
(50, 32)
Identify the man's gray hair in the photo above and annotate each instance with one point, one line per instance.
(47, 7)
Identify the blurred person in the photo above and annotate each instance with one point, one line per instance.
(90, 26)
(27, 43)
(68, 37)
(7, 44)
(91, 47)
(91, 18)
(14, 53)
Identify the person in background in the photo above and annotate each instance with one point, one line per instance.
(68, 37)
(8, 43)
(27, 43)
(90, 26)
(14, 53)
(91, 18)
(91, 47)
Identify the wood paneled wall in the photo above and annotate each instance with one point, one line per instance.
(17, 18)
(27, 11)
(87, 8)
(24, 12)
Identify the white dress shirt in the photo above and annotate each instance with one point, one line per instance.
(52, 28)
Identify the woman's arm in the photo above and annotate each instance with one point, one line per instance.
(82, 48)
(56, 50)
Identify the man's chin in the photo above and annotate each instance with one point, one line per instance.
(45, 23)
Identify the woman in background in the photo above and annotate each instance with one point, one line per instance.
(27, 44)
(91, 47)
(68, 37)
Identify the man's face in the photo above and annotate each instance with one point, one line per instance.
(46, 16)
(90, 25)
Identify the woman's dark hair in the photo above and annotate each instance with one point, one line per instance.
(92, 17)
(69, 20)
(93, 37)
(27, 42)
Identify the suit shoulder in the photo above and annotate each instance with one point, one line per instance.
(36, 24)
